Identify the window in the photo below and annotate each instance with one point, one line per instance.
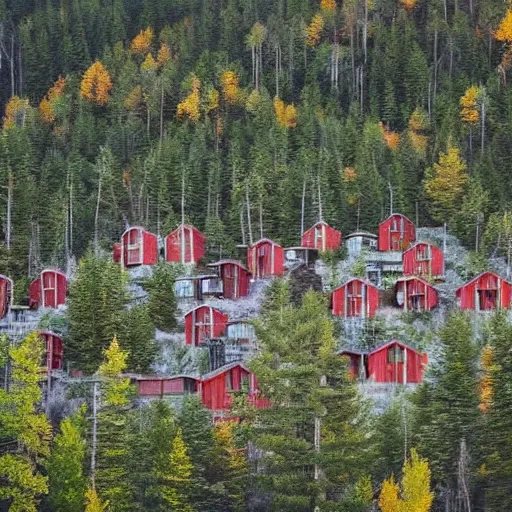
(395, 354)
(184, 288)
(245, 384)
(229, 383)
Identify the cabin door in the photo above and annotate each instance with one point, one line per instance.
(187, 240)
(133, 247)
(49, 290)
(487, 299)
(396, 234)
(263, 261)
(423, 259)
(395, 364)
(230, 281)
(355, 299)
(203, 329)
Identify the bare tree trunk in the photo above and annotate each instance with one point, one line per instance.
(365, 32)
(10, 186)
(352, 51)
(320, 209)
(303, 207)
(435, 63)
(277, 70)
(162, 114)
(182, 248)
(97, 213)
(242, 226)
(482, 142)
(11, 58)
(249, 225)
(462, 477)
(261, 220)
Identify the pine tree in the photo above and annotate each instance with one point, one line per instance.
(162, 301)
(27, 428)
(66, 479)
(94, 503)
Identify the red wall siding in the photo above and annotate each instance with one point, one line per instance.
(235, 279)
(151, 387)
(216, 396)
(423, 260)
(427, 297)
(139, 247)
(194, 245)
(6, 291)
(383, 372)
(150, 248)
(487, 291)
(48, 290)
(259, 259)
(396, 233)
(195, 334)
(54, 348)
(356, 307)
(322, 237)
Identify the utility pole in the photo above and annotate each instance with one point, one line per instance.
(390, 198)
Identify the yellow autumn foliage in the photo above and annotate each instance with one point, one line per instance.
(445, 183)
(349, 174)
(190, 106)
(408, 5)
(391, 138)
(15, 111)
(141, 43)
(504, 32)
(314, 30)
(149, 64)
(286, 115)
(164, 55)
(134, 99)
(388, 498)
(253, 101)
(469, 106)
(96, 84)
(487, 381)
(230, 87)
(418, 122)
(328, 6)
(213, 100)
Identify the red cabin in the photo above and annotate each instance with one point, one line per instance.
(265, 258)
(235, 278)
(423, 259)
(396, 233)
(48, 290)
(116, 253)
(54, 350)
(186, 244)
(6, 294)
(217, 386)
(202, 323)
(396, 363)
(355, 298)
(322, 237)
(415, 294)
(485, 292)
(162, 386)
(138, 247)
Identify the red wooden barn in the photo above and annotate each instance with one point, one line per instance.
(395, 362)
(161, 386)
(423, 259)
(356, 361)
(54, 350)
(484, 292)
(321, 236)
(186, 244)
(138, 247)
(235, 278)
(265, 258)
(218, 386)
(355, 298)
(6, 294)
(202, 323)
(396, 233)
(48, 290)
(415, 294)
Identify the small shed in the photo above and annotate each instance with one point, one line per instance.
(235, 278)
(358, 242)
(202, 323)
(198, 287)
(218, 386)
(396, 363)
(153, 386)
(423, 259)
(322, 237)
(48, 290)
(396, 233)
(54, 350)
(6, 294)
(415, 294)
(485, 292)
(138, 247)
(356, 360)
(355, 298)
(186, 244)
(265, 258)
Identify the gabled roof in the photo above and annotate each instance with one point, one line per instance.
(227, 261)
(160, 377)
(50, 270)
(263, 240)
(366, 282)
(393, 342)
(479, 276)
(414, 278)
(196, 277)
(399, 215)
(204, 306)
(50, 333)
(352, 352)
(421, 242)
(223, 369)
(136, 227)
(320, 223)
(187, 226)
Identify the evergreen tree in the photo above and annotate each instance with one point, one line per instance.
(162, 301)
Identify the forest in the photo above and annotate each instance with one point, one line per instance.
(252, 119)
